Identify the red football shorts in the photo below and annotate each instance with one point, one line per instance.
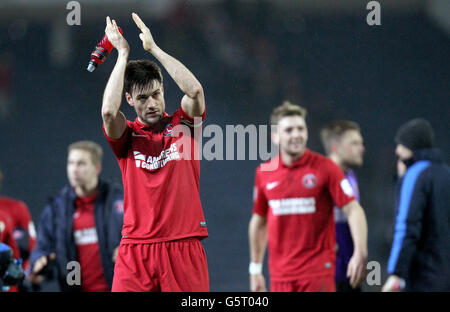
(312, 284)
(174, 266)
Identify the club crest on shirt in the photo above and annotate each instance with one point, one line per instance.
(169, 130)
(309, 180)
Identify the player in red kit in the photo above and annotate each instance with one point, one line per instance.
(293, 214)
(23, 229)
(160, 248)
(6, 233)
(6, 237)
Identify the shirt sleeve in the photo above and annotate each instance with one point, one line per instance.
(119, 146)
(27, 224)
(191, 127)
(189, 121)
(260, 205)
(24, 232)
(6, 236)
(340, 189)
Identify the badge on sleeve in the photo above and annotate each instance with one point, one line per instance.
(346, 187)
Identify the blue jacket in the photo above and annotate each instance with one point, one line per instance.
(55, 231)
(420, 251)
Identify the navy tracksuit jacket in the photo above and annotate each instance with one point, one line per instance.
(421, 248)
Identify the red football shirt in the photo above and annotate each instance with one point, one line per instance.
(20, 216)
(298, 202)
(161, 183)
(6, 237)
(86, 240)
(6, 233)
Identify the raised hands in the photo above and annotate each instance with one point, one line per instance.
(115, 37)
(120, 43)
(146, 36)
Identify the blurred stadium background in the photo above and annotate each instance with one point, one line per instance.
(249, 56)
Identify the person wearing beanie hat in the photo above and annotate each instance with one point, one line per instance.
(415, 134)
(412, 136)
(420, 255)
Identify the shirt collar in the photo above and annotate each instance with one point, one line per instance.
(140, 125)
(299, 162)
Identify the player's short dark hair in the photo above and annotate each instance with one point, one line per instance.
(333, 132)
(285, 110)
(93, 148)
(140, 73)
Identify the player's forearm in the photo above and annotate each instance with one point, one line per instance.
(257, 239)
(358, 228)
(182, 76)
(112, 97)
